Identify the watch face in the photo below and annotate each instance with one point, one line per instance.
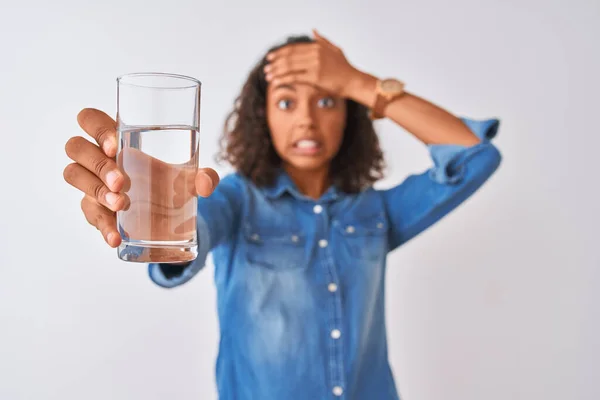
(392, 86)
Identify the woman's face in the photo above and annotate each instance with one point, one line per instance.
(307, 125)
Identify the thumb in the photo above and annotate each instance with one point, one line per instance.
(207, 180)
(322, 39)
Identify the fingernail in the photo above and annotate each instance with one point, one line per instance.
(109, 146)
(268, 77)
(270, 56)
(111, 179)
(111, 198)
(267, 68)
(110, 237)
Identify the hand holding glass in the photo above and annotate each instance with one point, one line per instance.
(158, 119)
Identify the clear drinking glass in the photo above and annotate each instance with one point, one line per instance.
(158, 120)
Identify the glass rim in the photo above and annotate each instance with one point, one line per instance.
(122, 80)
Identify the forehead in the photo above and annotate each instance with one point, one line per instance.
(300, 89)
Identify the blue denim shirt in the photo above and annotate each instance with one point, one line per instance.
(300, 282)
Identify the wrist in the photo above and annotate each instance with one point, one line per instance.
(361, 87)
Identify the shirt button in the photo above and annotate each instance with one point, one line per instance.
(318, 209)
(255, 237)
(335, 334)
(337, 391)
(350, 229)
(380, 225)
(295, 238)
(332, 287)
(323, 243)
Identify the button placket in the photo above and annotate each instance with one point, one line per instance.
(334, 324)
(318, 209)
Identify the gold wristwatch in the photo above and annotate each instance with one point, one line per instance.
(387, 90)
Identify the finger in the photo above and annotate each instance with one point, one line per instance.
(297, 77)
(101, 127)
(207, 180)
(284, 66)
(91, 157)
(185, 184)
(91, 185)
(292, 49)
(184, 188)
(103, 219)
(167, 185)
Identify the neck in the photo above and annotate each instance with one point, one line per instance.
(311, 183)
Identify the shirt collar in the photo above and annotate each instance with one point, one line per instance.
(283, 183)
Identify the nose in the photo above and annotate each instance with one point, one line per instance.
(305, 116)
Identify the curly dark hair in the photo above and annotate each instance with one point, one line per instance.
(246, 141)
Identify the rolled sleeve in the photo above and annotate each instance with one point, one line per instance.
(449, 160)
(457, 172)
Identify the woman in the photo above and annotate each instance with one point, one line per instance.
(299, 236)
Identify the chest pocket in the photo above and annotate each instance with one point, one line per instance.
(278, 248)
(364, 239)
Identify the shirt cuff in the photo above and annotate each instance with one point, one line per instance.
(157, 275)
(449, 159)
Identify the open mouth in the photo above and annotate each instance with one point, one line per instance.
(307, 146)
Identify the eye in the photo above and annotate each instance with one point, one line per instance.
(326, 102)
(284, 104)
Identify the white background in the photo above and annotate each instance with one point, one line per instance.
(498, 301)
